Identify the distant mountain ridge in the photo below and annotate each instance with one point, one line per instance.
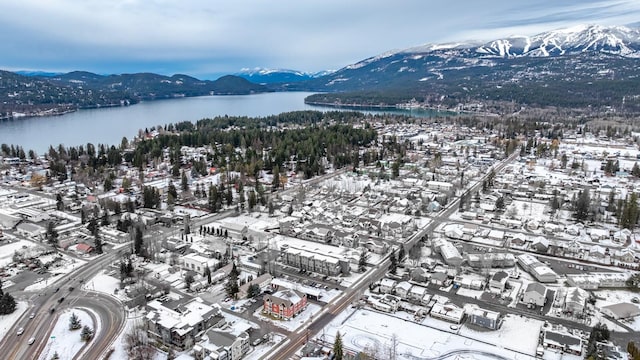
(276, 76)
(587, 65)
(55, 94)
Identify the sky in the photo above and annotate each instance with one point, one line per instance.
(210, 38)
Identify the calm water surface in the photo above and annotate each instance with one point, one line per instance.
(109, 125)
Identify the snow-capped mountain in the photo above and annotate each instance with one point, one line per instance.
(562, 64)
(270, 76)
(616, 40)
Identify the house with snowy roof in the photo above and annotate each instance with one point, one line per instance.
(284, 304)
(222, 345)
(178, 325)
(535, 294)
(575, 300)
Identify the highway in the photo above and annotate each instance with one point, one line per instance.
(288, 348)
(108, 309)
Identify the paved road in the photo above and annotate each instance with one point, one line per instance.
(290, 346)
(107, 308)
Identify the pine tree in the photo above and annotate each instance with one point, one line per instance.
(184, 181)
(393, 268)
(138, 241)
(207, 274)
(74, 322)
(362, 263)
(337, 347)
(582, 205)
(231, 287)
(86, 334)
(52, 234)
(98, 243)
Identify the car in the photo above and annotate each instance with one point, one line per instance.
(20, 331)
(57, 289)
(635, 299)
(32, 315)
(31, 341)
(71, 288)
(61, 299)
(256, 342)
(52, 310)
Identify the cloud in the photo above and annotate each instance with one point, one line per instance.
(207, 37)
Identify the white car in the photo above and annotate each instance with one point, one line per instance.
(32, 315)
(20, 331)
(31, 341)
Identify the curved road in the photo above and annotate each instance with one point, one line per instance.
(109, 310)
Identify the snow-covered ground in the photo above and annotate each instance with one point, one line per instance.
(103, 283)
(294, 323)
(7, 250)
(366, 330)
(67, 265)
(517, 333)
(263, 348)
(7, 321)
(65, 342)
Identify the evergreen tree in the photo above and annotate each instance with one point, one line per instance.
(393, 268)
(98, 243)
(188, 280)
(138, 241)
(362, 262)
(629, 217)
(207, 274)
(337, 347)
(276, 177)
(231, 287)
(184, 182)
(86, 334)
(582, 205)
(74, 322)
(52, 234)
(500, 203)
(7, 304)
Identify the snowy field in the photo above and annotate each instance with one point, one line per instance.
(7, 321)
(65, 342)
(371, 331)
(517, 333)
(294, 323)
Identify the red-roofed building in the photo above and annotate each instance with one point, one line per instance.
(84, 248)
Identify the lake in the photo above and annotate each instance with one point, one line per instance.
(109, 125)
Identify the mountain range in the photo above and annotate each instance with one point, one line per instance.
(47, 94)
(278, 76)
(587, 67)
(582, 66)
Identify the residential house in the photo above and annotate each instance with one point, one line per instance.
(402, 289)
(575, 300)
(498, 282)
(440, 279)
(535, 294)
(485, 318)
(387, 285)
(562, 340)
(447, 312)
(417, 293)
